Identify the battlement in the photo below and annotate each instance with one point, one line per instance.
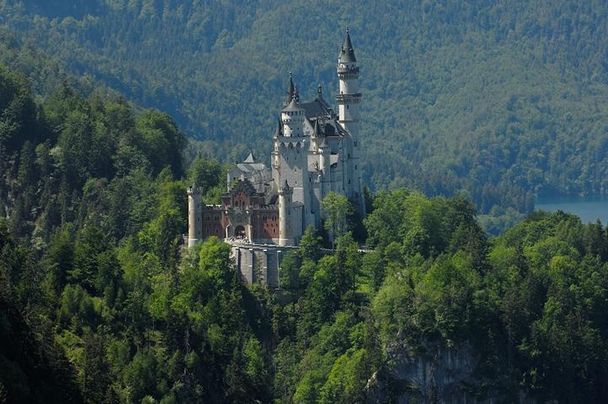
(349, 98)
(347, 72)
(194, 190)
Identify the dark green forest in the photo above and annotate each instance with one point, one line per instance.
(500, 100)
(469, 107)
(100, 302)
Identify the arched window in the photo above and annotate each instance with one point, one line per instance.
(239, 232)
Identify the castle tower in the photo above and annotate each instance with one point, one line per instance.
(290, 151)
(285, 219)
(348, 100)
(290, 161)
(348, 97)
(195, 214)
(292, 92)
(292, 117)
(324, 161)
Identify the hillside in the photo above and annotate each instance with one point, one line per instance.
(500, 100)
(99, 302)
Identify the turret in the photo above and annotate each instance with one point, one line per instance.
(195, 225)
(324, 152)
(292, 92)
(285, 194)
(292, 117)
(348, 97)
(290, 157)
(348, 100)
(316, 131)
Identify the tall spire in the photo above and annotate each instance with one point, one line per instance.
(347, 53)
(279, 131)
(291, 90)
(317, 129)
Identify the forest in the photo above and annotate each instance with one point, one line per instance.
(499, 101)
(100, 303)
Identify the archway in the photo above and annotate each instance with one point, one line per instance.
(239, 232)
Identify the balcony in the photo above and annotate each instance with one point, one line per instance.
(348, 70)
(348, 98)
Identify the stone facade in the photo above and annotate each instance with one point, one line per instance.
(314, 152)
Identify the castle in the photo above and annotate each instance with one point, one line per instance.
(315, 151)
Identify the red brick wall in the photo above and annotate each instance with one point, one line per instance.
(213, 223)
(266, 224)
(241, 200)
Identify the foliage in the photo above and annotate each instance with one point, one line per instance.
(337, 208)
(92, 268)
(100, 303)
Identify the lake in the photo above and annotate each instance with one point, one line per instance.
(588, 209)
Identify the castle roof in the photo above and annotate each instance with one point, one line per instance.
(317, 108)
(347, 53)
(246, 167)
(291, 90)
(292, 106)
(317, 129)
(250, 158)
(244, 186)
(279, 131)
(250, 165)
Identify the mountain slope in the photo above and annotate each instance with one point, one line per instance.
(500, 100)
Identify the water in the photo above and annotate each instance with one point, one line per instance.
(588, 209)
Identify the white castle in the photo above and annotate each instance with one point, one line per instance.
(315, 151)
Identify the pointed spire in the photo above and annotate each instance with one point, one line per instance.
(319, 92)
(323, 145)
(292, 106)
(290, 90)
(296, 95)
(279, 131)
(250, 158)
(347, 53)
(317, 129)
(291, 86)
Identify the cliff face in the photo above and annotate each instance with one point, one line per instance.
(433, 374)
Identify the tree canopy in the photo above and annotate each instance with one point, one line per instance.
(99, 302)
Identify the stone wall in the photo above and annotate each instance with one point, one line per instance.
(259, 263)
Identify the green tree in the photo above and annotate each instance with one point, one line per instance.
(161, 141)
(336, 208)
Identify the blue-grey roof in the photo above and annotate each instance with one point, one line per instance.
(347, 53)
(316, 108)
(250, 158)
(279, 130)
(292, 106)
(290, 90)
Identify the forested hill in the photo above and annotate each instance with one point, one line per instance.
(501, 99)
(99, 302)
